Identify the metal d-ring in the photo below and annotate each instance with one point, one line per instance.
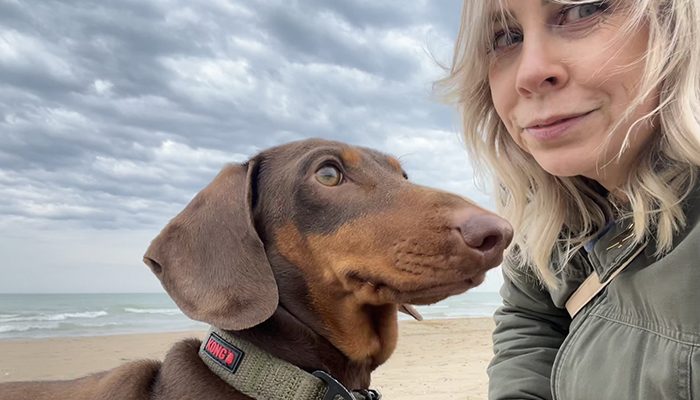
(334, 389)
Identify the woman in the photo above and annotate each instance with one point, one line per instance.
(587, 115)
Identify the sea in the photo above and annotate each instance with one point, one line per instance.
(26, 316)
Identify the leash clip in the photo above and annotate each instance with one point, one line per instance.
(335, 388)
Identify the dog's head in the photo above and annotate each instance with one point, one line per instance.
(345, 217)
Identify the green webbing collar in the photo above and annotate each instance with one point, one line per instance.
(259, 375)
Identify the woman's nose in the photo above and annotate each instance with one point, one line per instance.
(541, 68)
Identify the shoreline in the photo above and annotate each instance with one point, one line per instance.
(437, 358)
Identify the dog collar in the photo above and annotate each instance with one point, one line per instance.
(259, 375)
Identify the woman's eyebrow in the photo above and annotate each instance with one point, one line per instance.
(506, 14)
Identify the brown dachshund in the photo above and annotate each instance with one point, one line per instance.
(300, 258)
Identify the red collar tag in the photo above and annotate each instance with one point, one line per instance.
(223, 352)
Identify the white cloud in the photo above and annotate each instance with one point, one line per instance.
(21, 51)
(230, 9)
(103, 87)
(248, 45)
(170, 151)
(210, 80)
(179, 16)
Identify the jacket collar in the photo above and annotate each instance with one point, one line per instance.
(616, 244)
(613, 247)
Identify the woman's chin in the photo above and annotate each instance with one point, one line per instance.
(561, 171)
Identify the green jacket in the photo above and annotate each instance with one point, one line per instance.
(638, 339)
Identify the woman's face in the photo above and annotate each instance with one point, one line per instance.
(561, 78)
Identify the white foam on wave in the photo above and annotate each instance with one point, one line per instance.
(26, 327)
(164, 311)
(52, 317)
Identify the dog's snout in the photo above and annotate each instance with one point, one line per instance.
(487, 234)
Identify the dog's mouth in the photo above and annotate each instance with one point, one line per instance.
(379, 291)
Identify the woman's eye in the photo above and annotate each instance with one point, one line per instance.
(504, 39)
(329, 175)
(581, 12)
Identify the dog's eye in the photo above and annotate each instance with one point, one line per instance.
(329, 175)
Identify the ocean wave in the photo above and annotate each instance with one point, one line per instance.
(53, 317)
(24, 328)
(55, 326)
(164, 311)
(92, 325)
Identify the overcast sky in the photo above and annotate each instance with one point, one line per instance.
(113, 114)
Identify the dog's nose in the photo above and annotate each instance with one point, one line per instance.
(487, 234)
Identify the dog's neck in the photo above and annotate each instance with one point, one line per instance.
(345, 339)
(362, 331)
(284, 336)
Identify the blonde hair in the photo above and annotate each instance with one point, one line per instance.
(554, 216)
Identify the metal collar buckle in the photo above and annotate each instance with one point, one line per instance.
(334, 387)
(370, 394)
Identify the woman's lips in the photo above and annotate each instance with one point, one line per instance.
(556, 129)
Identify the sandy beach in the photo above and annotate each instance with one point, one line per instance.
(434, 360)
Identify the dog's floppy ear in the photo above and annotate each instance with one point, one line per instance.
(210, 259)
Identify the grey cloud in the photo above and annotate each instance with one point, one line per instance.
(114, 114)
